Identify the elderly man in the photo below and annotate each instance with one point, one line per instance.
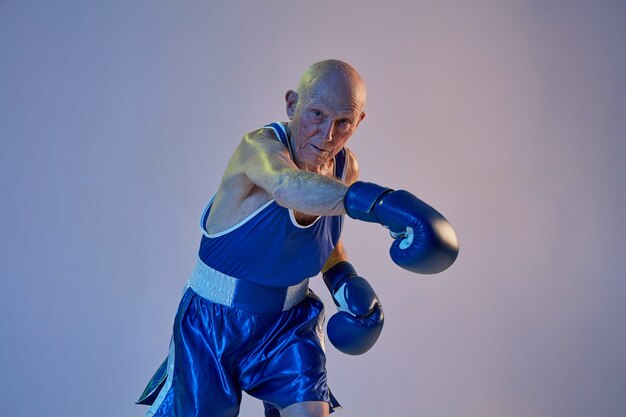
(247, 321)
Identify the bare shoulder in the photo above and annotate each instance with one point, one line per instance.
(253, 146)
(258, 139)
(261, 144)
(234, 174)
(353, 167)
(238, 195)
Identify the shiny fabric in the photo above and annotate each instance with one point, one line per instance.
(221, 348)
(218, 351)
(155, 385)
(270, 249)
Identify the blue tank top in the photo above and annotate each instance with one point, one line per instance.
(269, 247)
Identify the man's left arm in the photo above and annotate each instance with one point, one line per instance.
(359, 322)
(357, 325)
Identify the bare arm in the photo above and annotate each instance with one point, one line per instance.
(266, 163)
(336, 256)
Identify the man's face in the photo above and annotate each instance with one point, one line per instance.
(322, 121)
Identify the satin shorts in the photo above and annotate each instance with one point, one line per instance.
(219, 351)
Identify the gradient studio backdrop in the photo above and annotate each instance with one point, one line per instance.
(117, 119)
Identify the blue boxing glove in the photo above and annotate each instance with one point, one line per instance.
(357, 325)
(424, 240)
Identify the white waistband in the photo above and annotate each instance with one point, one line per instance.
(224, 289)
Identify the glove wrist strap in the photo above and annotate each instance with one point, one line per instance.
(361, 199)
(336, 274)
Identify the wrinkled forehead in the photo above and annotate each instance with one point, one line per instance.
(339, 87)
(333, 79)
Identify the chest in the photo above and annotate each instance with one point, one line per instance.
(304, 219)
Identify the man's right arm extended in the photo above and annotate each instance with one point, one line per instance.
(266, 163)
(424, 241)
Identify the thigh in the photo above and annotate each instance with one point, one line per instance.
(201, 382)
(289, 366)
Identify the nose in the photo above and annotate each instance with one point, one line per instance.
(327, 130)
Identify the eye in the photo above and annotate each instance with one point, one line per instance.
(344, 122)
(317, 114)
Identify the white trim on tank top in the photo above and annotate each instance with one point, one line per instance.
(234, 227)
(292, 216)
(284, 130)
(249, 217)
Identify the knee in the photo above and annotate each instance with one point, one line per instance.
(306, 409)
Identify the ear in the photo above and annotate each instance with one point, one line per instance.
(291, 98)
(361, 117)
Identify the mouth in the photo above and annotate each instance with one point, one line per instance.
(320, 150)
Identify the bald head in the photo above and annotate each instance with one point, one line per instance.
(333, 76)
(324, 112)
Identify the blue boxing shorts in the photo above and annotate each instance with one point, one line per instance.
(219, 348)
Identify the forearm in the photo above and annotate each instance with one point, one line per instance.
(267, 163)
(310, 193)
(336, 256)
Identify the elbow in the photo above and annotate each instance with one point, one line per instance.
(280, 189)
